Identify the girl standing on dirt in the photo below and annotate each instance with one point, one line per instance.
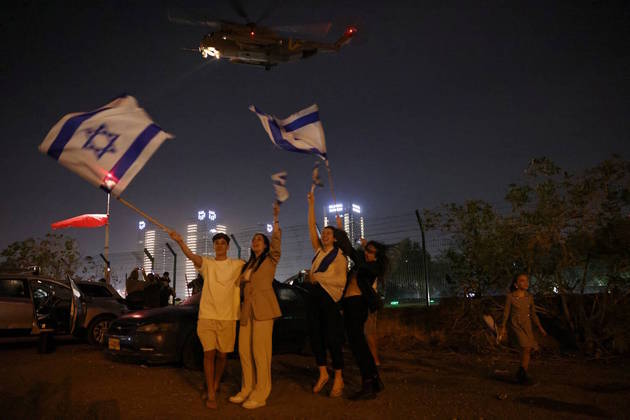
(519, 307)
(327, 281)
(259, 308)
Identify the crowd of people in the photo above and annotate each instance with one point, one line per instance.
(148, 290)
(342, 302)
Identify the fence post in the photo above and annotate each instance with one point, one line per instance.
(174, 271)
(238, 246)
(150, 257)
(424, 259)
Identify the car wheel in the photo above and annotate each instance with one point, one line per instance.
(192, 352)
(97, 329)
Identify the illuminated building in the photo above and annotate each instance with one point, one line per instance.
(154, 241)
(353, 222)
(199, 233)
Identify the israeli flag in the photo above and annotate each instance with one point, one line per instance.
(302, 132)
(279, 185)
(108, 146)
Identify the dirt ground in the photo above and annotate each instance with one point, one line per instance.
(78, 381)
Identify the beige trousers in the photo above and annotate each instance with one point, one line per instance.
(254, 339)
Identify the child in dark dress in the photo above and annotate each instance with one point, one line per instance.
(519, 308)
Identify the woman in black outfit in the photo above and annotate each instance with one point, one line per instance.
(359, 298)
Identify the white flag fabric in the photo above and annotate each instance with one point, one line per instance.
(279, 185)
(108, 146)
(302, 132)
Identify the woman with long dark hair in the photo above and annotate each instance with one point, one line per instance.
(327, 281)
(360, 299)
(259, 308)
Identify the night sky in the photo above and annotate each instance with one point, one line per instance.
(439, 101)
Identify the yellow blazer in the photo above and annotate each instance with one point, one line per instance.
(259, 296)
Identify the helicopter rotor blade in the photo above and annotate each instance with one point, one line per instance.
(315, 29)
(184, 21)
(238, 8)
(273, 6)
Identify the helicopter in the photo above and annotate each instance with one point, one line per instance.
(249, 43)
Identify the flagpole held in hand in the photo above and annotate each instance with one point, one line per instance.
(149, 218)
(330, 181)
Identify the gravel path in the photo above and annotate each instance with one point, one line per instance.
(78, 381)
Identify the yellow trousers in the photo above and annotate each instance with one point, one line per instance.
(254, 349)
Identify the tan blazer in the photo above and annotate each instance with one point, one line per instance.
(259, 296)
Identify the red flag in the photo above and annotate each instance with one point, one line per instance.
(83, 221)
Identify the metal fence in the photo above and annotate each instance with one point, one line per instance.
(405, 280)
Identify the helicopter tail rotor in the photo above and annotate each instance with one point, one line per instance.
(346, 37)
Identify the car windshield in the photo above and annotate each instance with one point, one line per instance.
(94, 290)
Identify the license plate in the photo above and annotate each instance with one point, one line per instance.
(113, 343)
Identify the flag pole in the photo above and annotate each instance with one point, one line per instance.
(107, 243)
(332, 191)
(149, 218)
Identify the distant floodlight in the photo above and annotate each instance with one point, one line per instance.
(141, 224)
(201, 215)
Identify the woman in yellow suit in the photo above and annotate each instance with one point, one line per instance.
(258, 311)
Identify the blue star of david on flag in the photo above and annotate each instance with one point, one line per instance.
(93, 143)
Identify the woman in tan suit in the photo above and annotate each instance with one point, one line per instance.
(258, 310)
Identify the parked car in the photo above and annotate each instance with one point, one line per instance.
(169, 334)
(104, 304)
(31, 305)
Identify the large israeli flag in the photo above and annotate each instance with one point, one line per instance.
(301, 132)
(108, 146)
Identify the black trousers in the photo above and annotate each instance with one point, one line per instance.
(355, 312)
(326, 326)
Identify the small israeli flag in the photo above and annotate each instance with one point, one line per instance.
(108, 146)
(279, 185)
(317, 182)
(302, 132)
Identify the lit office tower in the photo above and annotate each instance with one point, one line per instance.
(353, 222)
(206, 227)
(153, 244)
(191, 242)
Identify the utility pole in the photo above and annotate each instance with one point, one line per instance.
(106, 250)
(424, 259)
(107, 268)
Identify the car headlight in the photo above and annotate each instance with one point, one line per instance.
(157, 327)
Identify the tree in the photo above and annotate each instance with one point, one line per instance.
(569, 231)
(55, 254)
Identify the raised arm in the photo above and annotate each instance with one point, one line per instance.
(312, 227)
(276, 236)
(196, 259)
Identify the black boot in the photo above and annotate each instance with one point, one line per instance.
(367, 391)
(377, 384)
(522, 378)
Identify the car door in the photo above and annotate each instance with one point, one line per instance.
(78, 307)
(16, 308)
